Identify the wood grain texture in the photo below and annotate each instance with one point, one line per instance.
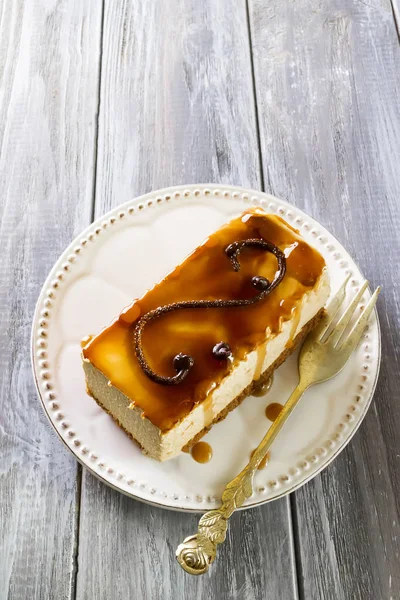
(176, 98)
(127, 550)
(396, 15)
(177, 106)
(328, 95)
(49, 55)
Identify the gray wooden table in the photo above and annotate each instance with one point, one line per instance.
(103, 100)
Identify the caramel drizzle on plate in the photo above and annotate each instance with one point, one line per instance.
(182, 363)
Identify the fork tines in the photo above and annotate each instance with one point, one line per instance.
(335, 335)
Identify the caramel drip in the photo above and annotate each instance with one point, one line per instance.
(296, 314)
(208, 409)
(261, 353)
(273, 410)
(264, 388)
(202, 452)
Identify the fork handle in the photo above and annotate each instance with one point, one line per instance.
(275, 428)
(198, 551)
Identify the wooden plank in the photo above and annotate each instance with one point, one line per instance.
(49, 55)
(177, 106)
(134, 551)
(174, 110)
(326, 76)
(396, 15)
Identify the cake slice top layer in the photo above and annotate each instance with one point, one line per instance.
(206, 274)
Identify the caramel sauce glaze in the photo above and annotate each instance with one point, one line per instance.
(264, 388)
(86, 340)
(273, 411)
(206, 274)
(202, 452)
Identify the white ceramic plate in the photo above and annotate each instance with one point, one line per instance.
(115, 260)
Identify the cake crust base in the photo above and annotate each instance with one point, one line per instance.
(256, 384)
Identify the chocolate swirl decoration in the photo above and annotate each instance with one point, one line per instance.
(182, 363)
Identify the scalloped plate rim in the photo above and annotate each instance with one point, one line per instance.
(137, 201)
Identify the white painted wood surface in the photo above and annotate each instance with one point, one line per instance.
(176, 101)
(102, 101)
(49, 63)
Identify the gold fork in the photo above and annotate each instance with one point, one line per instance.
(323, 355)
